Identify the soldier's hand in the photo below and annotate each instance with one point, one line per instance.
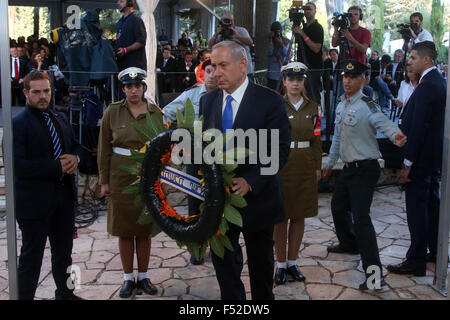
(327, 172)
(319, 174)
(240, 186)
(400, 139)
(104, 190)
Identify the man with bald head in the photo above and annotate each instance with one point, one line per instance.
(238, 103)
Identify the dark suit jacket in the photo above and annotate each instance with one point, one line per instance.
(423, 122)
(166, 82)
(260, 108)
(36, 174)
(375, 70)
(183, 73)
(23, 70)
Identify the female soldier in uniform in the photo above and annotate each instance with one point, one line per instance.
(299, 178)
(117, 137)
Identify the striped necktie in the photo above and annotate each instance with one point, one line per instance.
(57, 150)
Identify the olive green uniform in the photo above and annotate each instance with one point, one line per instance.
(117, 131)
(298, 177)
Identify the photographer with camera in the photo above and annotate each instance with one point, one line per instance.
(131, 38)
(359, 38)
(418, 33)
(278, 51)
(228, 31)
(312, 36)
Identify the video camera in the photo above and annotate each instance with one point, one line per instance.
(342, 21)
(404, 30)
(226, 32)
(297, 13)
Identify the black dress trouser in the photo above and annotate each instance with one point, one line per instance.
(59, 228)
(352, 198)
(422, 212)
(259, 247)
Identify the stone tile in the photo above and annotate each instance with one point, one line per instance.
(81, 245)
(111, 277)
(318, 236)
(105, 244)
(396, 231)
(206, 288)
(3, 284)
(80, 257)
(399, 281)
(194, 272)
(426, 293)
(116, 263)
(98, 226)
(352, 294)
(401, 242)
(306, 262)
(166, 253)
(350, 278)
(323, 291)
(190, 297)
(174, 262)
(388, 295)
(343, 257)
(100, 256)
(99, 235)
(155, 262)
(170, 244)
(405, 294)
(160, 275)
(174, 287)
(98, 292)
(384, 242)
(89, 276)
(97, 265)
(379, 226)
(291, 291)
(315, 250)
(46, 290)
(338, 266)
(395, 251)
(392, 219)
(316, 274)
(387, 260)
(427, 280)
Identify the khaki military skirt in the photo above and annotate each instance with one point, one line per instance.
(122, 213)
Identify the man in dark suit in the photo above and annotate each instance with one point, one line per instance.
(423, 123)
(240, 104)
(45, 161)
(398, 70)
(19, 69)
(186, 72)
(166, 82)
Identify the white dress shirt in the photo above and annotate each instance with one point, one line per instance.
(424, 35)
(298, 104)
(237, 95)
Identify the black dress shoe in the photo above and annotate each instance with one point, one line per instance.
(127, 289)
(405, 268)
(377, 286)
(340, 249)
(295, 273)
(280, 276)
(147, 286)
(196, 262)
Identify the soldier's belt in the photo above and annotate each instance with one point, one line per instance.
(300, 144)
(122, 151)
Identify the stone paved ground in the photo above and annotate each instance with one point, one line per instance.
(329, 276)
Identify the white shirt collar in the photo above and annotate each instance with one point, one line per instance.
(298, 104)
(426, 72)
(238, 94)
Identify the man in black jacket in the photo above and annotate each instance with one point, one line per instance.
(166, 81)
(423, 123)
(19, 69)
(45, 162)
(240, 104)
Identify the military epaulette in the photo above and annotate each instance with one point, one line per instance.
(117, 103)
(373, 106)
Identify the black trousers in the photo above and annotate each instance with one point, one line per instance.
(422, 211)
(259, 247)
(352, 198)
(59, 228)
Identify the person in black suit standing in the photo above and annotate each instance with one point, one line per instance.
(186, 72)
(19, 69)
(423, 123)
(240, 104)
(45, 162)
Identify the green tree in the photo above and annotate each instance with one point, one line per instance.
(377, 34)
(437, 21)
